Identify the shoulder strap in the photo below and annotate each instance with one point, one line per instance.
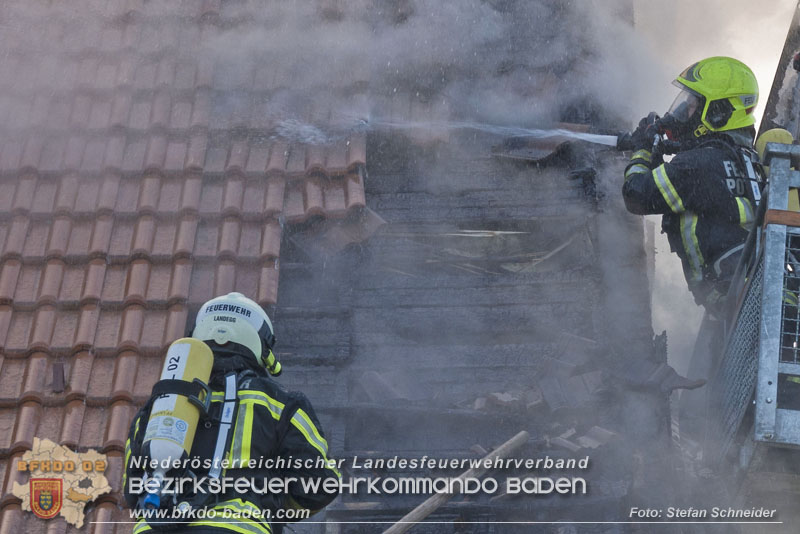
(227, 416)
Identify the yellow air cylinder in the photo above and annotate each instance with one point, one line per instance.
(173, 418)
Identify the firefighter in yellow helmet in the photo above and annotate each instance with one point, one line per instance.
(270, 434)
(708, 192)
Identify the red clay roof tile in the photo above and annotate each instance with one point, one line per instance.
(9, 273)
(25, 427)
(64, 331)
(60, 233)
(73, 419)
(229, 238)
(51, 281)
(87, 326)
(233, 194)
(187, 233)
(43, 325)
(124, 375)
(225, 277)
(131, 330)
(33, 385)
(101, 236)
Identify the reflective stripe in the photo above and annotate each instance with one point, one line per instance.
(303, 423)
(256, 397)
(671, 196)
(789, 297)
(242, 433)
(746, 217)
(642, 154)
(691, 246)
(636, 169)
(141, 526)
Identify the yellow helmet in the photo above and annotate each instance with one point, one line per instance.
(724, 90)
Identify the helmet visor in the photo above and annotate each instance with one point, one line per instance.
(686, 105)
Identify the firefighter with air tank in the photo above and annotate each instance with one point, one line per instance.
(220, 447)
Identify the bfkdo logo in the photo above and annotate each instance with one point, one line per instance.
(46, 496)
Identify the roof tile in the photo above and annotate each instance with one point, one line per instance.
(233, 195)
(60, 236)
(5, 322)
(119, 420)
(237, 158)
(101, 235)
(124, 375)
(32, 152)
(10, 155)
(44, 198)
(140, 115)
(132, 321)
(275, 196)
(100, 115)
(155, 322)
(73, 420)
(51, 281)
(11, 379)
(115, 152)
(164, 240)
(108, 193)
(87, 326)
(94, 155)
(25, 428)
(27, 285)
(229, 238)
(53, 154)
(143, 237)
(156, 152)
(95, 276)
(179, 281)
(12, 515)
(147, 374)
(250, 241)
(206, 240)
(79, 117)
(107, 331)
(187, 232)
(176, 156)
(23, 197)
(313, 199)
(201, 109)
(64, 331)
(211, 198)
(177, 316)
(137, 281)
(78, 240)
(120, 109)
(71, 284)
(86, 196)
(43, 325)
(253, 201)
(268, 284)
(225, 277)
(73, 154)
(15, 241)
(196, 153)
(79, 375)
(334, 199)
(9, 273)
(19, 331)
(202, 282)
(355, 191)
(160, 113)
(121, 238)
(99, 383)
(35, 378)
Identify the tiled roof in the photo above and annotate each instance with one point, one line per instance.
(136, 179)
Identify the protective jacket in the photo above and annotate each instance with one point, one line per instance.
(276, 435)
(707, 195)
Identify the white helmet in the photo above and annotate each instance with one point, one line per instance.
(235, 318)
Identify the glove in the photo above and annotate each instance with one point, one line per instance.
(641, 137)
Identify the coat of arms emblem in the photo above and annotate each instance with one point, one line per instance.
(46, 496)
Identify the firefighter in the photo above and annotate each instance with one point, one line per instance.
(707, 193)
(268, 424)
